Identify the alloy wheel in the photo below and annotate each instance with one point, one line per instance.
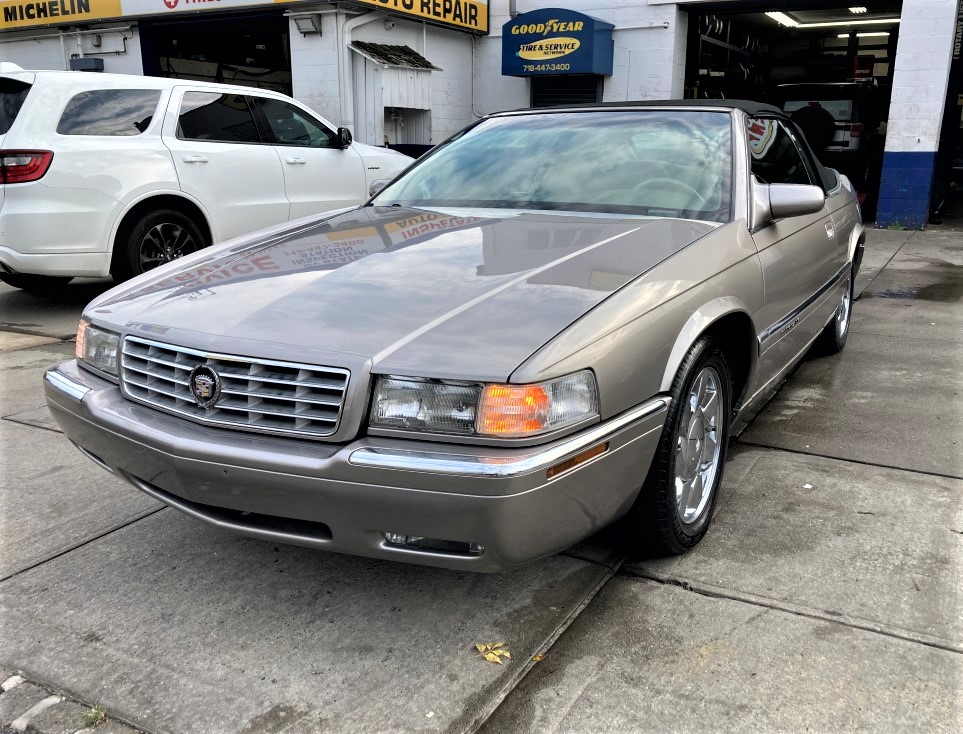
(163, 243)
(698, 446)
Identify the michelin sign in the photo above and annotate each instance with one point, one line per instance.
(556, 41)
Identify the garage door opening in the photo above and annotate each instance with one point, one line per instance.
(251, 49)
(828, 65)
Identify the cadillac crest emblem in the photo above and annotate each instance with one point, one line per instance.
(205, 386)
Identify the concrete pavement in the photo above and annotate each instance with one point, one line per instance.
(826, 597)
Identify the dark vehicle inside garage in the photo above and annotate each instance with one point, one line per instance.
(829, 65)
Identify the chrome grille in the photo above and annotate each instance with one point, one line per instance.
(256, 394)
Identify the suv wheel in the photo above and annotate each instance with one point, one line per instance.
(159, 237)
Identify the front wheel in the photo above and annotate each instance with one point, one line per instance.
(675, 506)
(158, 237)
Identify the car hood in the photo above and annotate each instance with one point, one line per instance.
(455, 294)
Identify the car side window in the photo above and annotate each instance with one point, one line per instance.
(289, 125)
(114, 112)
(775, 157)
(216, 117)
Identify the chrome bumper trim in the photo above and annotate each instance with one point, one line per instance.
(67, 385)
(501, 467)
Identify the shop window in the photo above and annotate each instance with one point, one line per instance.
(109, 112)
(290, 125)
(221, 118)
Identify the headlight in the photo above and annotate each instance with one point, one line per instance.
(472, 409)
(97, 348)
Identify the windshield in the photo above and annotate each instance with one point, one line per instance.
(661, 163)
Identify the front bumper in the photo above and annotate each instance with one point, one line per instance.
(344, 497)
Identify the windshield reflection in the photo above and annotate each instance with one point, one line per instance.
(647, 162)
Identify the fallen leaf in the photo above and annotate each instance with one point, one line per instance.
(538, 658)
(493, 652)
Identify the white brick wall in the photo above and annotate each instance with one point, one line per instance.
(923, 55)
(47, 52)
(649, 62)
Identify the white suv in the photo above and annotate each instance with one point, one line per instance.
(116, 174)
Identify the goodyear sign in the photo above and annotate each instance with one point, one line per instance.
(465, 15)
(556, 41)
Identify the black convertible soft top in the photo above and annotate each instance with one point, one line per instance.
(754, 109)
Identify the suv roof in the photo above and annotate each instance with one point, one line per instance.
(87, 80)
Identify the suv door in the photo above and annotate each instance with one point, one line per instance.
(223, 161)
(801, 256)
(319, 175)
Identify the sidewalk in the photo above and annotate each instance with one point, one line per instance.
(829, 594)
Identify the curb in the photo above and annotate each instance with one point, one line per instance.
(26, 706)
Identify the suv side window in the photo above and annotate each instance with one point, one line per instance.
(109, 112)
(775, 157)
(289, 125)
(217, 118)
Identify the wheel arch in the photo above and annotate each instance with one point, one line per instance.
(159, 200)
(727, 319)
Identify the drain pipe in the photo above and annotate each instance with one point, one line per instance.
(347, 78)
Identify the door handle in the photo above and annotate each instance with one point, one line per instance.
(830, 230)
(195, 159)
(295, 161)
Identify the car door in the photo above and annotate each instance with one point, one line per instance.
(800, 256)
(222, 161)
(319, 175)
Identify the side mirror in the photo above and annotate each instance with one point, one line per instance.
(377, 185)
(781, 201)
(344, 137)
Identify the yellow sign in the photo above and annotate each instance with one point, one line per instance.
(467, 15)
(27, 13)
(549, 48)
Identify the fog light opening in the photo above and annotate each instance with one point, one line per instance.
(569, 464)
(434, 545)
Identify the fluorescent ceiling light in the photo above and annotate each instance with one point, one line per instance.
(870, 34)
(783, 19)
(859, 10)
(838, 23)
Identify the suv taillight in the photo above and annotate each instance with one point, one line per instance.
(856, 129)
(23, 166)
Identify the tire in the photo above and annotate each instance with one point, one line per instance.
(834, 335)
(664, 524)
(158, 237)
(41, 285)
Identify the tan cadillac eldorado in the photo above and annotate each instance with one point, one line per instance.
(555, 319)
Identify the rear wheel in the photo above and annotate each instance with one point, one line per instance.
(159, 237)
(675, 506)
(41, 285)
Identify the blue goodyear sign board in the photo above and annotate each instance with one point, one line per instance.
(556, 41)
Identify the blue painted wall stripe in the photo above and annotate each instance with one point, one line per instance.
(904, 192)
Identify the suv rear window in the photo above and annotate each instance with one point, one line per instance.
(109, 112)
(12, 95)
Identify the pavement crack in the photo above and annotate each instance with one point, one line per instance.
(80, 544)
(849, 460)
(799, 610)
